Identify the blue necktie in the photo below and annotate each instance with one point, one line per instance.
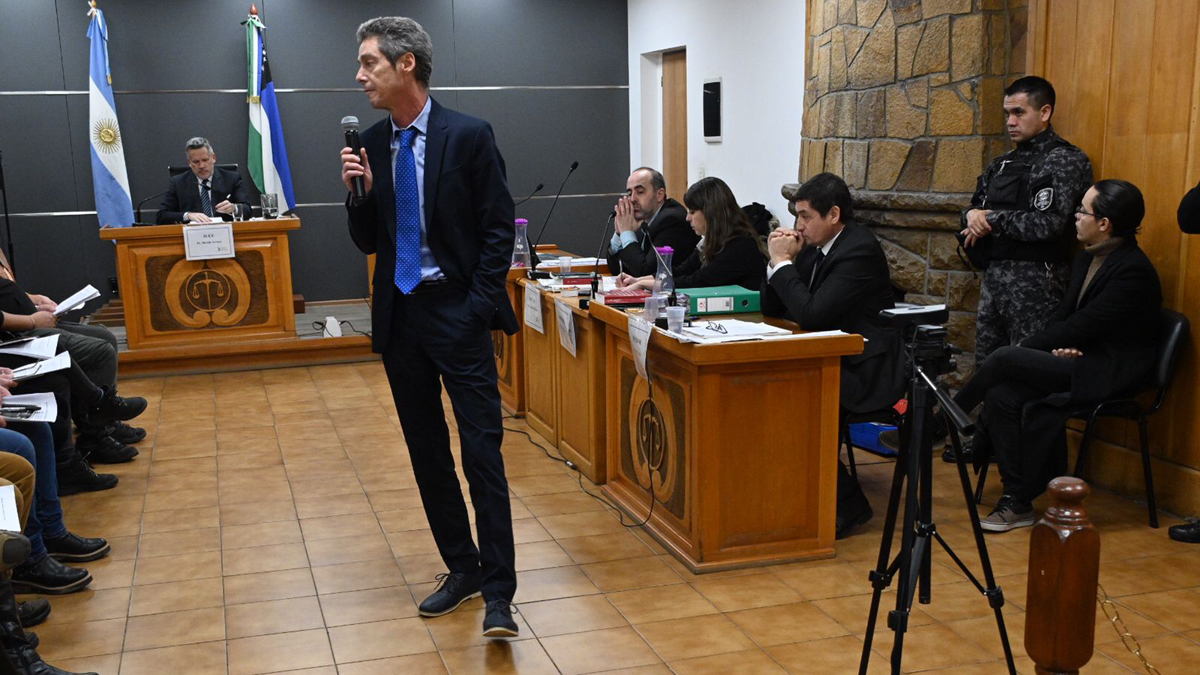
(408, 216)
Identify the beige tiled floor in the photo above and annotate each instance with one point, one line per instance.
(271, 524)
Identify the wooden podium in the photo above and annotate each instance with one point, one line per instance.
(738, 443)
(173, 302)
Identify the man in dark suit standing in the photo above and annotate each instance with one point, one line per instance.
(206, 193)
(647, 217)
(831, 274)
(438, 215)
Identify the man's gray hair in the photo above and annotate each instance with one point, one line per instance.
(656, 178)
(397, 36)
(199, 142)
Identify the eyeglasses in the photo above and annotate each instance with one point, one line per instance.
(717, 328)
(1080, 212)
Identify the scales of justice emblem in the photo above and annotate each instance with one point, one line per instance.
(210, 292)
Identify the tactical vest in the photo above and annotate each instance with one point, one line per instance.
(1009, 190)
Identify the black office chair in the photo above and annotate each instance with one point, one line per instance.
(846, 418)
(1174, 329)
(176, 170)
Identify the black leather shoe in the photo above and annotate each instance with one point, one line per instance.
(33, 612)
(25, 659)
(50, 577)
(76, 475)
(106, 450)
(73, 548)
(851, 516)
(125, 434)
(1188, 533)
(498, 621)
(113, 408)
(455, 589)
(948, 453)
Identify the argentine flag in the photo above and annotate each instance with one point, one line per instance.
(267, 160)
(114, 208)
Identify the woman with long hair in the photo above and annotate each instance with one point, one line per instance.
(730, 252)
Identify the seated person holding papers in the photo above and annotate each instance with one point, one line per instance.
(1101, 342)
(830, 273)
(729, 252)
(206, 193)
(646, 217)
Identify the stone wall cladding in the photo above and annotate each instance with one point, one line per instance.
(903, 100)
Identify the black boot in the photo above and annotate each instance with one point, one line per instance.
(18, 647)
(853, 509)
(33, 611)
(73, 548)
(113, 408)
(50, 577)
(125, 434)
(76, 475)
(105, 450)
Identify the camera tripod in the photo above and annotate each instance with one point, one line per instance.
(914, 466)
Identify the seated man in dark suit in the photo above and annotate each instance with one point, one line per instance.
(830, 273)
(205, 193)
(646, 217)
(1189, 223)
(1101, 342)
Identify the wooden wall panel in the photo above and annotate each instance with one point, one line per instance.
(1127, 73)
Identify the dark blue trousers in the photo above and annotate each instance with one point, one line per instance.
(437, 340)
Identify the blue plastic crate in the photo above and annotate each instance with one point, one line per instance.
(866, 436)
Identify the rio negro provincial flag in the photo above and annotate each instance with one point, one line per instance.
(267, 161)
(114, 208)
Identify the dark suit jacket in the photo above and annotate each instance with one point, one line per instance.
(852, 286)
(184, 196)
(669, 228)
(468, 217)
(1189, 211)
(1115, 324)
(740, 263)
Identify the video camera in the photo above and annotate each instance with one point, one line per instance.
(925, 338)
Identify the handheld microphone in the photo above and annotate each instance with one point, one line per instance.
(531, 194)
(350, 129)
(143, 203)
(574, 165)
(596, 269)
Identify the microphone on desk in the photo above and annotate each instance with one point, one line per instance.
(350, 129)
(538, 240)
(531, 194)
(143, 203)
(596, 269)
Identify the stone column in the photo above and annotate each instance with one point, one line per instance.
(903, 100)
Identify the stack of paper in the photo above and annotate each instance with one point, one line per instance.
(32, 370)
(730, 330)
(31, 347)
(29, 408)
(78, 300)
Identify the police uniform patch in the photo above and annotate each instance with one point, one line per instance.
(1043, 199)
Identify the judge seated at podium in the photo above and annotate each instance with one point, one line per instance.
(206, 192)
(730, 252)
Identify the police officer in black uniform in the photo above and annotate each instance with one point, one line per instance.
(1020, 224)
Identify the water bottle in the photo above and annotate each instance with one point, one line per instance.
(664, 280)
(520, 254)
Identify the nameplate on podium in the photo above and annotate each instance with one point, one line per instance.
(209, 241)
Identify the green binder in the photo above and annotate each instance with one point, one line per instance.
(721, 300)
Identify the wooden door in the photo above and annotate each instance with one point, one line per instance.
(1127, 78)
(674, 127)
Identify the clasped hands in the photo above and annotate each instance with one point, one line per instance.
(625, 220)
(784, 245)
(977, 227)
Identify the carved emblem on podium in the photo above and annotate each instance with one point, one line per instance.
(207, 294)
(653, 438)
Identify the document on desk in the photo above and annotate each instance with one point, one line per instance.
(805, 336)
(533, 308)
(32, 348)
(566, 325)
(10, 519)
(731, 330)
(639, 341)
(31, 370)
(81, 298)
(29, 408)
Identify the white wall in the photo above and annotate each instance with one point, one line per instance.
(757, 48)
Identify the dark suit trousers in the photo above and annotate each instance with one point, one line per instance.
(1009, 379)
(437, 340)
